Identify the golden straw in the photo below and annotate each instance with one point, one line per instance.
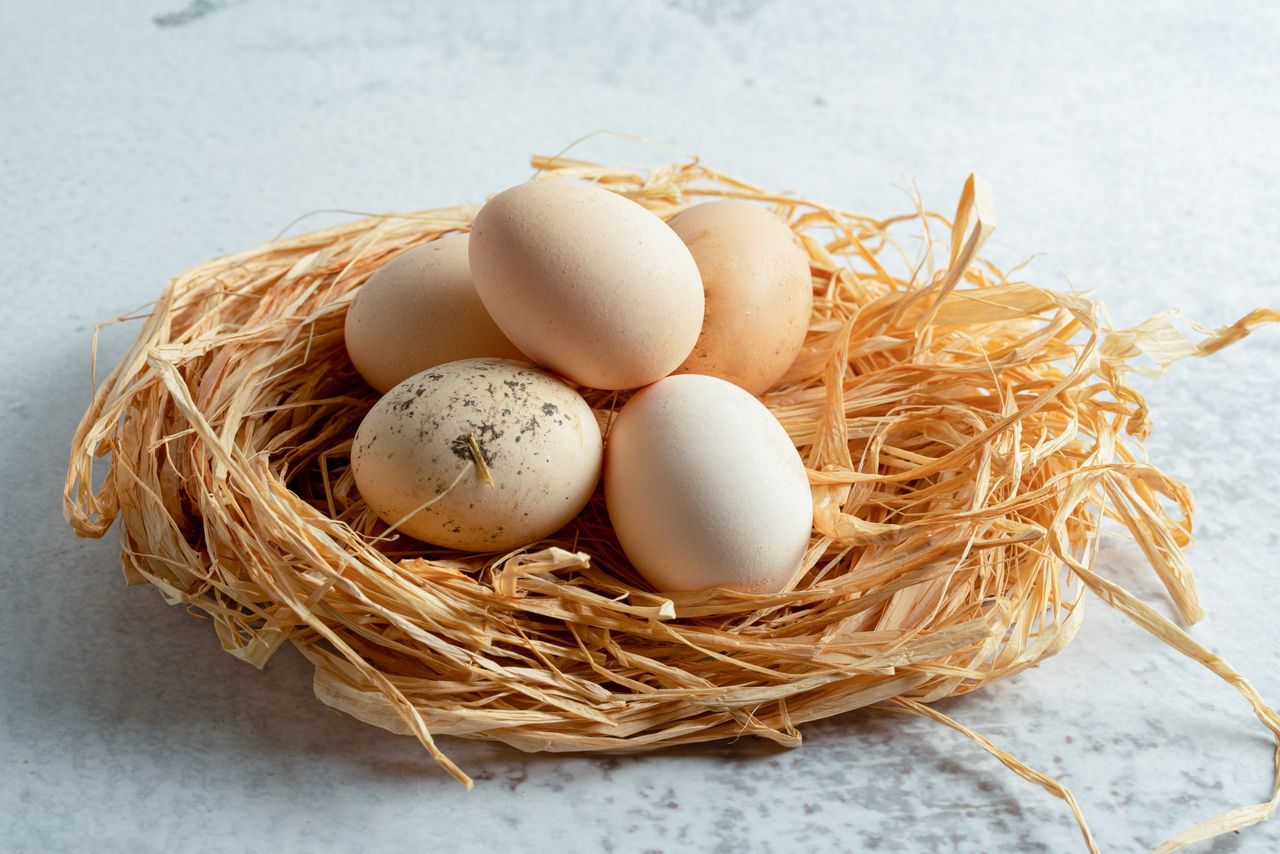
(967, 435)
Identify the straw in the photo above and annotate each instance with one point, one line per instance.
(968, 436)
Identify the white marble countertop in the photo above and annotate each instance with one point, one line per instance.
(1133, 144)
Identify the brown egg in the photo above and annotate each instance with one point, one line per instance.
(758, 292)
(589, 284)
(419, 310)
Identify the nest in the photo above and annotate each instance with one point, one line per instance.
(968, 436)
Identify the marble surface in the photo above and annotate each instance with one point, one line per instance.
(1133, 145)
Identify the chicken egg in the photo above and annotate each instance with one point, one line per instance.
(705, 489)
(759, 294)
(587, 283)
(478, 454)
(418, 310)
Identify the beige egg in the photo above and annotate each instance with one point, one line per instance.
(588, 284)
(420, 309)
(758, 291)
(705, 489)
(539, 441)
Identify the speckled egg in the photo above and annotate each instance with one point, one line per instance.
(420, 309)
(705, 489)
(479, 454)
(587, 283)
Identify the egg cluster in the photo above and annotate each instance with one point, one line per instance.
(481, 441)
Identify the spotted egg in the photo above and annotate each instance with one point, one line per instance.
(478, 455)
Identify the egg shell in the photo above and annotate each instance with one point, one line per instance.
(705, 489)
(587, 283)
(418, 310)
(539, 439)
(759, 294)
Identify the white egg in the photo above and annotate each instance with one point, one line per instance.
(705, 489)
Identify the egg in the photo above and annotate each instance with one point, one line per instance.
(419, 451)
(418, 310)
(705, 489)
(759, 294)
(588, 284)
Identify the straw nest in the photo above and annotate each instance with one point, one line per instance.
(967, 436)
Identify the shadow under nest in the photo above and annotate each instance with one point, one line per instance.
(966, 435)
